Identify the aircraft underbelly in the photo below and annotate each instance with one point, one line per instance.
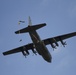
(43, 51)
(40, 46)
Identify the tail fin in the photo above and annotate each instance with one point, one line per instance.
(30, 27)
(30, 23)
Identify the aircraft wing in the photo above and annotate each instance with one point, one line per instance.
(46, 42)
(59, 38)
(19, 49)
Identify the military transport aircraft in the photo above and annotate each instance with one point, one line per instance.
(38, 45)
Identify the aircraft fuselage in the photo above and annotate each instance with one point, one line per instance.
(40, 46)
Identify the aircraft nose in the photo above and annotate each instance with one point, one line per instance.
(50, 60)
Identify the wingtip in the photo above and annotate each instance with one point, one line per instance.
(17, 32)
(3, 53)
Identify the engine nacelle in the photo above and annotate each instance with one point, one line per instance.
(52, 45)
(25, 52)
(34, 51)
(55, 42)
(62, 42)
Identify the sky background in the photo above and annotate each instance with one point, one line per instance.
(60, 17)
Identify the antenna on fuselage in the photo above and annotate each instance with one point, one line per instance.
(30, 23)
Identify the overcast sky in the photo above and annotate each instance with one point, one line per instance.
(60, 17)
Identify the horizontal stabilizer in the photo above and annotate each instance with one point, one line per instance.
(30, 28)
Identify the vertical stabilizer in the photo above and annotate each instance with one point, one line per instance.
(30, 23)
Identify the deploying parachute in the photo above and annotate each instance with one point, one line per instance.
(21, 22)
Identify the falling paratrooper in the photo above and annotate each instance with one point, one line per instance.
(19, 24)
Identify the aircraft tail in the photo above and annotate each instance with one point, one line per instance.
(30, 27)
(30, 23)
